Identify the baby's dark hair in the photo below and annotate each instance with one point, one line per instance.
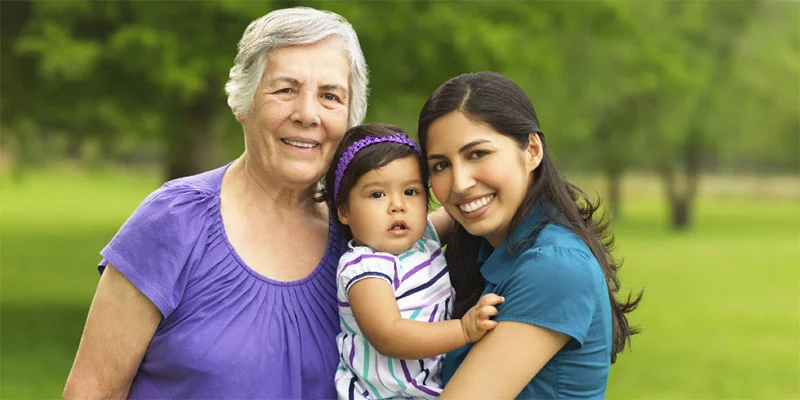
(372, 157)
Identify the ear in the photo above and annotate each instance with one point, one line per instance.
(344, 214)
(534, 152)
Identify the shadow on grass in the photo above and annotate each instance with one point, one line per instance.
(37, 344)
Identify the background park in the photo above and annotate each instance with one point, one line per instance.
(683, 115)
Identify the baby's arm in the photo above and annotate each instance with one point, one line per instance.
(375, 309)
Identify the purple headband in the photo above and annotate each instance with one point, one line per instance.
(359, 145)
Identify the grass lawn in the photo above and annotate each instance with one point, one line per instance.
(720, 318)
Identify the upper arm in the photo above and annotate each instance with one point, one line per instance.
(119, 327)
(374, 308)
(378, 317)
(442, 222)
(504, 361)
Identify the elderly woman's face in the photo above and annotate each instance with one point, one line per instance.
(300, 112)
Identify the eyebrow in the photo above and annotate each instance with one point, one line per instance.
(295, 82)
(461, 150)
(334, 87)
(286, 79)
(382, 183)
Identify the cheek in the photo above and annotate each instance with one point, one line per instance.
(440, 187)
(336, 123)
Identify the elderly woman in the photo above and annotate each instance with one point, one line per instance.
(221, 285)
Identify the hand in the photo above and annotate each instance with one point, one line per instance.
(475, 323)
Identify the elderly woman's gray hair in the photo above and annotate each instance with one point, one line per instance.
(293, 27)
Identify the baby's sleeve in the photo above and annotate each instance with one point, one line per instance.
(357, 265)
(430, 233)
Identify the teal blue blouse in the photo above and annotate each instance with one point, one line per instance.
(551, 280)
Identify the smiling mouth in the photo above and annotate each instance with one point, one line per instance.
(302, 145)
(476, 205)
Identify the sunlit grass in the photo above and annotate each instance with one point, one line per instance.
(720, 316)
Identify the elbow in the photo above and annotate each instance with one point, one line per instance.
(385, 344)
(386, 349)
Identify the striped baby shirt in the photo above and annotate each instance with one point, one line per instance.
(422, 288)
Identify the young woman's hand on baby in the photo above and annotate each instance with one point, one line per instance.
(475, 322)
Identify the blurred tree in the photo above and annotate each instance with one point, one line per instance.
(125, 68)
(705, 41)
(674, 86)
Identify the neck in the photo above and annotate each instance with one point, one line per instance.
(255, 185)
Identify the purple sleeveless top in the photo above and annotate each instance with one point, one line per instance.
(226, 331)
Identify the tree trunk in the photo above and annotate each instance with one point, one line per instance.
(681, 197)
(190, 146)
(614, 176)
(681, 214)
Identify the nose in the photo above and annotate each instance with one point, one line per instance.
(462, 179)
(306, 112)
(397, 204)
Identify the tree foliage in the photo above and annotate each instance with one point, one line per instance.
(678, 87)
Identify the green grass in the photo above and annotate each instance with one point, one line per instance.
(720, 317)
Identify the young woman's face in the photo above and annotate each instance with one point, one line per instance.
(479, 175)
(386, 209)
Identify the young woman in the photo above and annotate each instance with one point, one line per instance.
(526, 234)
(393, 288)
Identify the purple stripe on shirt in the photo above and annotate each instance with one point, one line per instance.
(433, 313)
(363, 256)
(423, 265)
(413, 382)
(352, 350)
(426, 285)
(435, 299)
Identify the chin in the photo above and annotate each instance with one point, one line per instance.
(302, 175)
(481, 229)
(401, 249)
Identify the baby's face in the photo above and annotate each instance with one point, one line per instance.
(386, 208)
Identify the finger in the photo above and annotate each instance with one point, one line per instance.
(484, 313)
(489, 311)
(488, 324)
(490, 300)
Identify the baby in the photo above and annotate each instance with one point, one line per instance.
(393, 286)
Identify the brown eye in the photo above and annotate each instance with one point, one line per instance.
(439, 167)
(477, 154)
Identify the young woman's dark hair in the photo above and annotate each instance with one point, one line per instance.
(494, 100)
(372, 157)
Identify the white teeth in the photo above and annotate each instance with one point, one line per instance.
(299, 144)
(474, 205)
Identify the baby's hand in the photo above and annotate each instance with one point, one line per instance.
(475, 323)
